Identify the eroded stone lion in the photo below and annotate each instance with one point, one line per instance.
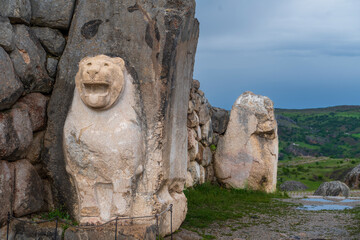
(100, 81)
(104, 142)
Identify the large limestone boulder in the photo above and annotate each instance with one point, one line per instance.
(52, 13)
(18, 11)
(352, 179)
(11, 87)
(28, 194)
(21, 189)
(51, 39)
(6, 34)
(157, 42)
(6, 186)
(247, 154)
(35, 105)
(334, 188)
(29, 61)
(15, 133)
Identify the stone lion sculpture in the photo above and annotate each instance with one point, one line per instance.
(104, 141)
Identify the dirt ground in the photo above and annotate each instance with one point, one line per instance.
(297, 224)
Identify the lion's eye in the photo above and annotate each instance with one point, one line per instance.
(106, 64)
(89, 64)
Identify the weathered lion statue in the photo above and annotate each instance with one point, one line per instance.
(103, 142)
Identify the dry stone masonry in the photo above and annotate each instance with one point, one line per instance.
(28, 63)
(238, 150)
(205, 124)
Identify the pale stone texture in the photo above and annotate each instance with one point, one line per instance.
(352, 179)
(104, 148)
(158, 44)
(247, 154)
(52, 13)
(6, 34)
(29, 61)
(18, 11)
(10, 86)
(334, 188)
(51, 39)
(15, 133)
(194, 170)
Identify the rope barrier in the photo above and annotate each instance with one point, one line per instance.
(57, 220)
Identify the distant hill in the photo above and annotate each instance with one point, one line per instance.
(332, 132)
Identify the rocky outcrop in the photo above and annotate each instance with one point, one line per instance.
(293, 186)
(247, 155)
(334, 188)
(352, 179)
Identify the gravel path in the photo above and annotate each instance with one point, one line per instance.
(295, 224)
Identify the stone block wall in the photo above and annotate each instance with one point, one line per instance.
(205, 125)
(33, 36)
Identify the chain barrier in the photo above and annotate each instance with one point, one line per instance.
(57, 220)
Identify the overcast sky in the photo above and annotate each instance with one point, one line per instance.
(300, 53)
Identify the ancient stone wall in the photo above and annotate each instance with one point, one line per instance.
(236, 149)
(32, 38)
(41, 45)
(205, 124)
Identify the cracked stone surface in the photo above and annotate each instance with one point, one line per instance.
(247, 154)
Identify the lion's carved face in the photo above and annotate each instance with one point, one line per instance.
(100, 80)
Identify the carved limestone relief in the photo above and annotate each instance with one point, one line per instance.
(104, 140)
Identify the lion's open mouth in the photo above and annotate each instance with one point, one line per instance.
(97, 88)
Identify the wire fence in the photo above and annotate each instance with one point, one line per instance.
(116, 220)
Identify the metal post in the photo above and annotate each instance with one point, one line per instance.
(157, 226)
(8, 226)
(55, 233)
(116, 228)
(171, 212)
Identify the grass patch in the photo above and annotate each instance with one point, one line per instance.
(210, 203)
(312, 173)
